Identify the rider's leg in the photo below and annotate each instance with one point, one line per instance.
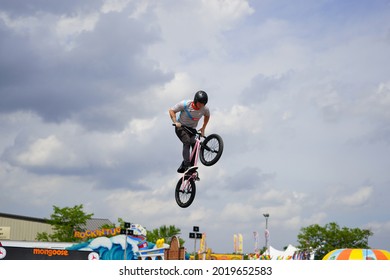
(186, 154)
(185, 138)
(192, 146)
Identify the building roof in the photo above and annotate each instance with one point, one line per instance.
(92, 224)
(25, 218)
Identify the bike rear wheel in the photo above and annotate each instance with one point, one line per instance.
(211, 149)
(185, 192)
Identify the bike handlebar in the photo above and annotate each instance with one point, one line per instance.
(190, 130)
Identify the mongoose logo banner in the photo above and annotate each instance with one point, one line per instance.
(21, 253)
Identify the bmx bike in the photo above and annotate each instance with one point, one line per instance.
(209, 150)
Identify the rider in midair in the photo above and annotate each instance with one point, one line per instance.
(190, 112)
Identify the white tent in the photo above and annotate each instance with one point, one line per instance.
(281, 255)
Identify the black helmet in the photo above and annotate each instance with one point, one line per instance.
(201, 96)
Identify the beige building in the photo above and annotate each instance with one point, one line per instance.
(23, 228)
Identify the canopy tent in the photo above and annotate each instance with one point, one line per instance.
(357, 254)
(275, 254)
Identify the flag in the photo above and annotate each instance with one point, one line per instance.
(235, 240)
(240, 244)
(202, 246)
(256, 238)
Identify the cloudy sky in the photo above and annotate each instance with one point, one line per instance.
(299, 91)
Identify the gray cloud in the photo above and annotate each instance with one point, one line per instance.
(39, 6)
(103, 70)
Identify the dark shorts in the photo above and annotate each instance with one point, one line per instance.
(185, 137)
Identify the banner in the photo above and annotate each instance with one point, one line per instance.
(97, 233)
(256, 238)
(240, 244)
(235, 245)
(202, 246)
(20, 253)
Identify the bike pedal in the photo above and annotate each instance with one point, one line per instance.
(197, 178)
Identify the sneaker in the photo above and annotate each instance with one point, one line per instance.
(183, 167)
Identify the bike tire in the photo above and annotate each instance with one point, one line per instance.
(211, 149)
(185, 197)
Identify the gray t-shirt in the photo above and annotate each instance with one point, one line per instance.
(196, 115)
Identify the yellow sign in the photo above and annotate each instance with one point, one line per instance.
(97, 233)
(226, 257)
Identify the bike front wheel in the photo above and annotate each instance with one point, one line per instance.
(211, 149)
(185, 192)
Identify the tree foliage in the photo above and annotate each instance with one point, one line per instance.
(330, 237)
(166, 232)
(121, 224)
(64, 222)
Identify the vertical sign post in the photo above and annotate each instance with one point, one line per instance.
(126, 231)
(195, 235)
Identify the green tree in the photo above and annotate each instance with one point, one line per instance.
(166, 232)
(64, 222)
(330, 237)
(121, 223)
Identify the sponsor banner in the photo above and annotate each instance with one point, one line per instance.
(97, 233)
(226, 257)
(20, 253)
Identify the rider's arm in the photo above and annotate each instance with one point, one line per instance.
(172, 115)
(205, 121)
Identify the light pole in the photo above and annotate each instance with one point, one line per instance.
(266, 233)
(367, 247)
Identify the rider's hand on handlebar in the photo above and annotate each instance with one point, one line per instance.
(202, 132)
(177, 124)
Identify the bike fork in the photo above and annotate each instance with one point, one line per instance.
(185, 181)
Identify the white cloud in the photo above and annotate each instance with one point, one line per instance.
(22, 24)
(114, 5)
(181, 87)
(237, 211)
(376, 104)
(48, 152)
(140, 127)
(224, 13)
(39, 152)
(236, 120)
(68, 28)
(350, 198)
(360, 197)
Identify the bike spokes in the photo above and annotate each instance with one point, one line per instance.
(211, 149)
(185, 192)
